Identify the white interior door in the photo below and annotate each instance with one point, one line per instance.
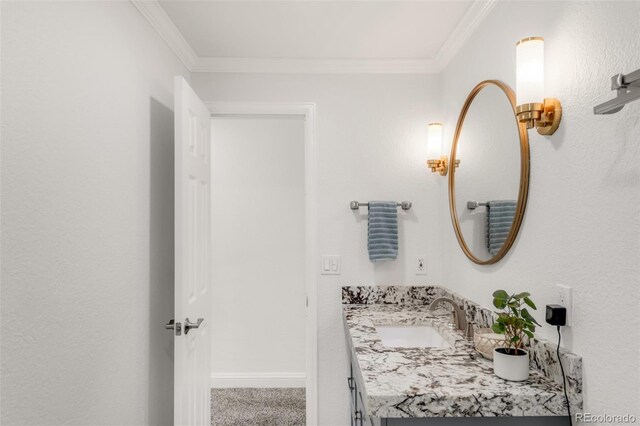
(192, 264)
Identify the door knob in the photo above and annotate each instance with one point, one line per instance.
(172, 325)
(188, 325)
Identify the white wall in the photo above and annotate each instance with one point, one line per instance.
(258, 277)
(371, 132)
(87, 204)
(582, 222)
(87, 215)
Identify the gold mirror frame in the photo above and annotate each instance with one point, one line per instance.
(524, 173)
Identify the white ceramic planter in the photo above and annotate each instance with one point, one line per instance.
(511, 367)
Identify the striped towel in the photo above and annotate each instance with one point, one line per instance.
(383, 231)
(500, 216)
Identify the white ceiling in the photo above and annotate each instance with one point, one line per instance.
(316, 29)
(307, 36)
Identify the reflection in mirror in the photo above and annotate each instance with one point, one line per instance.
(485, 188)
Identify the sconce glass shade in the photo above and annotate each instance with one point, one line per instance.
(434, 142)
(530, 70)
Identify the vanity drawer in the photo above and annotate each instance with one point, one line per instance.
(353, 389)
(360, 416)
(351, 383)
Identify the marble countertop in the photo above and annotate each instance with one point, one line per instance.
(428, 382)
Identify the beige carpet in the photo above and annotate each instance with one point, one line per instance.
(258, 407)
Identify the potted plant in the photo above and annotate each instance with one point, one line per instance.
(511, 361)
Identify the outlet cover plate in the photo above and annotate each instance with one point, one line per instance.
(565, 298)
(421, 265)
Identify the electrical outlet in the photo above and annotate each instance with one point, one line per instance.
(565, 298)
(421, 265)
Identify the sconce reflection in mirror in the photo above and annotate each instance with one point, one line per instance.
(545, 116)
(436, 162)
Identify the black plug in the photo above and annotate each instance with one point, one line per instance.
(556, 315)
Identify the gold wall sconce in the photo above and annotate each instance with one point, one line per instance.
(545, 116)
(436, 162)
(440, 165)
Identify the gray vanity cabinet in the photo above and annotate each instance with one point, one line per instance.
(359, 416)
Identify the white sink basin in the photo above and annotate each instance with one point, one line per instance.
(410, 336)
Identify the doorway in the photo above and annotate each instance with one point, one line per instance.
(263, 333)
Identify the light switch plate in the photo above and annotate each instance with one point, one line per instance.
(330, 264)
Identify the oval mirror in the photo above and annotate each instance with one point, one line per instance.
(489, 184)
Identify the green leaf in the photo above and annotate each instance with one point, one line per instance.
(522, 295)
(528, 333)
(500, 294)
(499, 303)
(515, 339)
(530, 303)
(525, 314)
(498, 328)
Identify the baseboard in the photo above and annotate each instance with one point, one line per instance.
(258, 380)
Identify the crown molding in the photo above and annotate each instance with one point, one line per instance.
(478, 10)
(160, 21)
(316, 66)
